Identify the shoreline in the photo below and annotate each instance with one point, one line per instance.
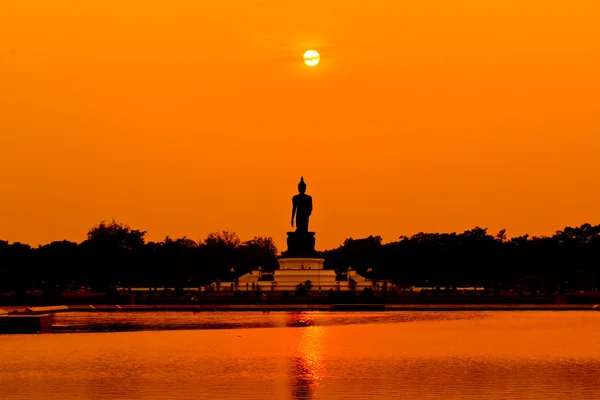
(41, 319)
(356, 307)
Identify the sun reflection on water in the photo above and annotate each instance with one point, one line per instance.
(307, 368)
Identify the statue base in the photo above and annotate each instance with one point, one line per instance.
(301, 263)
(300, 244)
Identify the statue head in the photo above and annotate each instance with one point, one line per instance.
(302, 185)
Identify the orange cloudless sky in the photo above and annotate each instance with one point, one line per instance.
(183, 117)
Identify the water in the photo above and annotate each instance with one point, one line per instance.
(450, 355)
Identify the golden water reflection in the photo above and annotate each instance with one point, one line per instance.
(307, 368)
(483, 356)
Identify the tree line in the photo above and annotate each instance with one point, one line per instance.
(115, 254)
(568, 259)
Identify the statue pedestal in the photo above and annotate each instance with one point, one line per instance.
(301, 263)
(301, 244)
(295, 271)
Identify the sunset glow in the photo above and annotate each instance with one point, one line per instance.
(184, 117)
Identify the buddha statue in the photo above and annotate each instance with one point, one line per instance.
(301, 208)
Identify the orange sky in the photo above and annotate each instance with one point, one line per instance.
(182, 117)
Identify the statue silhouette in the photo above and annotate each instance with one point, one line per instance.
(301, 208)
(301, 243)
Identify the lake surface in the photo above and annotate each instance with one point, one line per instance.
(251, 355)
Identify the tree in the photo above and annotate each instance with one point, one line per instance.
(260, 251)
(18, 260)
(501, 235)
(264, 243)
(113, 253)
(223, 238)
(116, 234)
(59, 263)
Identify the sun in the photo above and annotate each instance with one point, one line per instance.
(311, 58)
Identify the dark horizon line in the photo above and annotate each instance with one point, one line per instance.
(500, 234)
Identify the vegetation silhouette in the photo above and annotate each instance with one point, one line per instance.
(569, 258)
(116, 255)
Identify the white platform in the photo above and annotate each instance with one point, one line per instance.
(301, 263)
(293, 271)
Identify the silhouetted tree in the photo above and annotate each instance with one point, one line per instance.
(112, 254)
(115, 254)
(58, 264)
(224, 239)
(260, 251)
(501, 235)
(18, 260)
